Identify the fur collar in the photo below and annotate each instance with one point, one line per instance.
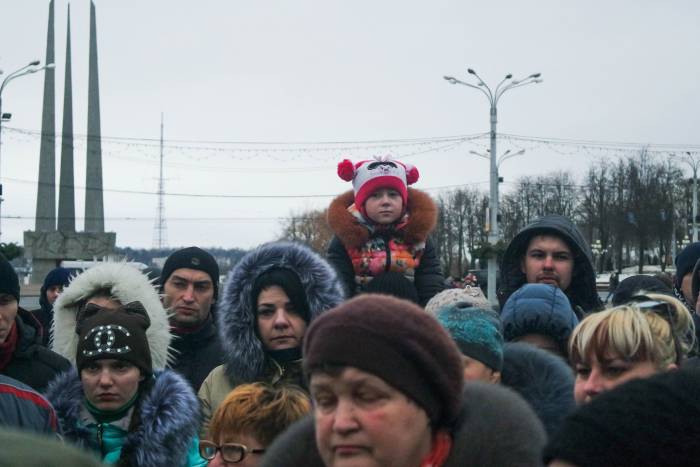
(544, 380)
(169, 418)
(421, 221)
(244, 356)
(127, 285)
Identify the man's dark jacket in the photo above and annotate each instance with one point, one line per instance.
(32, 363)
(197, 353)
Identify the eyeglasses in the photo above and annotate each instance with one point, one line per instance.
(664, 310)
(230, 452)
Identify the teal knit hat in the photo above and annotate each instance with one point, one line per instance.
(476, 332)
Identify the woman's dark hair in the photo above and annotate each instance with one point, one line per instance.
(289, 281)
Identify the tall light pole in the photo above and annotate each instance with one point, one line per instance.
(493, 97)
(31, 67)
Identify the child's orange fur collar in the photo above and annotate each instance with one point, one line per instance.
(421, 220)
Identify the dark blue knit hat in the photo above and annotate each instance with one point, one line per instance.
(539, 309)
(476, 332)
(57, 276)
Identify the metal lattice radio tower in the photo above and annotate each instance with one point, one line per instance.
(160, 238)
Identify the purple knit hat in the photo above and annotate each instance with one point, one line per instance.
(398, 342)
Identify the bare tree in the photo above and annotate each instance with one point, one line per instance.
(308, 227)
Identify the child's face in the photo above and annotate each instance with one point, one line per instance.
(384, 206)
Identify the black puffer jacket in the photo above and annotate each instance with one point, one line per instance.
(32, 363)
(582, 292)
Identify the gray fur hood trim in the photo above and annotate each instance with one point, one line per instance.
(244, 356)
(127, 285)
(544, 380)
(169, 418)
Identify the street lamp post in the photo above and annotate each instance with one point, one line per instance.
(597, 250)
(493, 97)
(31, 67)
(693, 160)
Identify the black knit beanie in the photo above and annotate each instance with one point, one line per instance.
(9, 282)
(398, 342)
(645, 422)
(633, 285)
(289, 281)
(191, 258)
(685, 261)
(119, 334)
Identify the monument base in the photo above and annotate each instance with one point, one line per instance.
(47, 249)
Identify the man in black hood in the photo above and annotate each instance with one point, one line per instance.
(551, 250)
(54, 282)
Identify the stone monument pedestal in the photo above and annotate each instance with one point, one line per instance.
(47, 249)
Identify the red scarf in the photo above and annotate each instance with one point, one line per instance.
(442, 444)
(7, 348)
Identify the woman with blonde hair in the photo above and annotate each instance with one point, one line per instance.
(650, 334)
(248, 420)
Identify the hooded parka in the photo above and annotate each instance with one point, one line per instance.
(127, 285)
(160, 429)
(582, 292)
(245, 358)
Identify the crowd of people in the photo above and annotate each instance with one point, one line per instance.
(360, 357)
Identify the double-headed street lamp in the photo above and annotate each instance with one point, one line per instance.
(494, 96)
(503, 157)
(32, 67)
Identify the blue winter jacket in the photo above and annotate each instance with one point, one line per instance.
(165, 436)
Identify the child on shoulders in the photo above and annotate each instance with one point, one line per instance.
(382, 225)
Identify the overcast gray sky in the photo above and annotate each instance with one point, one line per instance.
(251, 72)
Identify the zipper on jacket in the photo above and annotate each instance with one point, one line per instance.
(280, 371)
(387, 249)
(100, 432)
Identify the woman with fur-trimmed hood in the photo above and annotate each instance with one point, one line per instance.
(118, 401)
(268, 300)
(123, 283)
(382, 225)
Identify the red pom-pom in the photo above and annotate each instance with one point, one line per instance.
(411, 174)
(346, 170)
